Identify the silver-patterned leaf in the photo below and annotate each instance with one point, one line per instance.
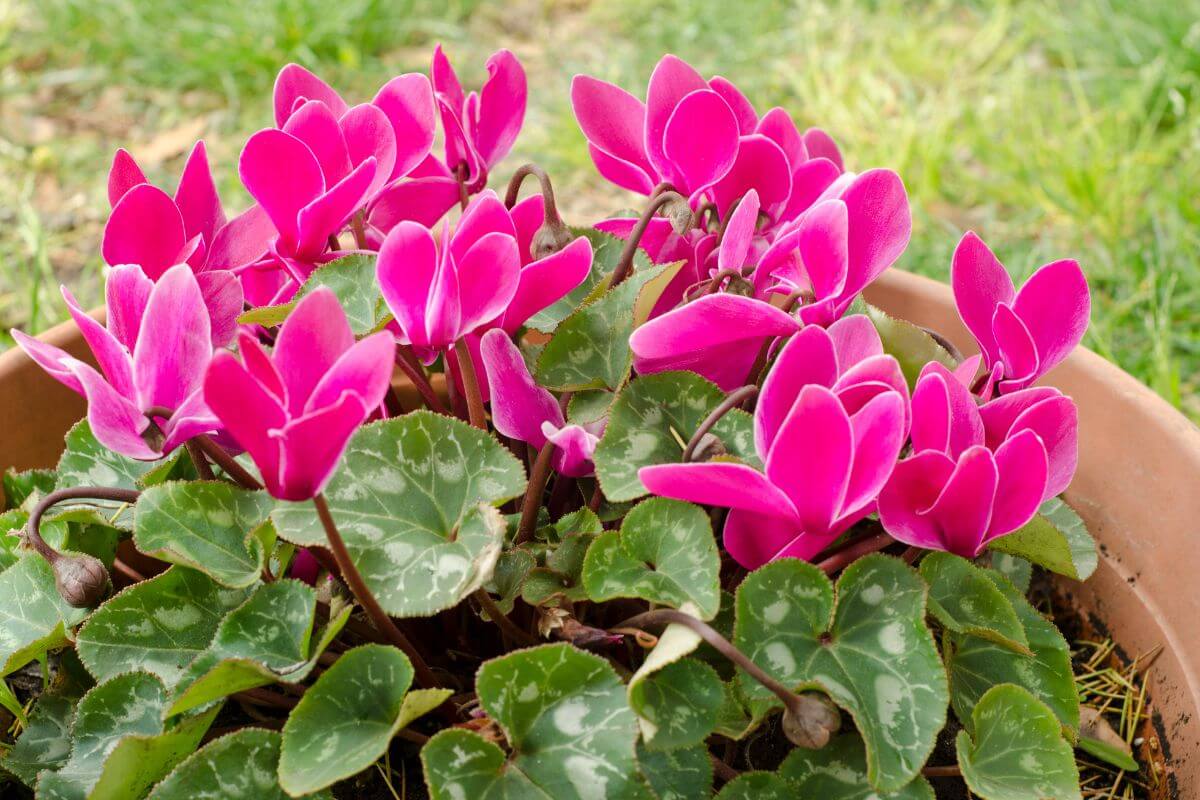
(33, 617)
(86, 462)
(683, 774)
(1056, 539)
(838, 771)
(239, 766)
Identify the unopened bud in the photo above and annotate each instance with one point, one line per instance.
(739, 286)
(81, 580)
(552, 237)
(709, 447)
(811, 721)
(680, 214)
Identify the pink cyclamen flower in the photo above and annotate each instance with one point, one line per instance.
(152, 357)
(295, 409)
(482, 126)
(1022, 335)
(440, 292)
(523, 410)
(977, 473)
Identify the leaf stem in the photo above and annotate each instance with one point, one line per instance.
(366, 599)
(732, 401)
(853, 551)
(197, 455)
(538, 477)
(949, 771)
(412, 369)
(813, 720)
(226, 462)
(625, 263)
(501, 619)
(466, 368)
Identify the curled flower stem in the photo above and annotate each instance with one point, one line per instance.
(853, 551)
(466, 368)
(501, 619)
(518, 178)
(732, 401)
(945, 344)
(625, 263)
(366, 599)
(33, 531)
(409, 365)
(539, 475)
(813, 719)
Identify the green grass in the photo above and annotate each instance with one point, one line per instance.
(1054, 129)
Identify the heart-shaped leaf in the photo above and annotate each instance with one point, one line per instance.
(665, 553)
(352, 279)
(1017, 751)
(561, 577)
(1017, 570)
(45, 743)
(590, 348)
(119, 744)
(33, 617)
(911, 345)
(976, 665)
(651, 422)
(407, 500)
(239, 766)
(606, 251)
(1055, 539)
(511, 570)
(677, 706)
(683, 774)
(158, 625)
(565, 717)
(211, 526)
(964, 599)
(86, 462)
(869, 650)
(265, 640)
(757, 786)
(838, 771)
(18, 486)
(346, 719)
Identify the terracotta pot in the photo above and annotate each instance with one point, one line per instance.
(1138, 489)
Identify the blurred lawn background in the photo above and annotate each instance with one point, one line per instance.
(1054, 129)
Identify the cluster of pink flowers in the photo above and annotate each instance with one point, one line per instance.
(786, 239)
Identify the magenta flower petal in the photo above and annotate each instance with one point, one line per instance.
(111, 355)
(501, 107)
(246, 409)
(126, 292)
(1055, 306)
(420, 200)
(613, 121)
(482, 216)
(879, 433)
(310, 342)
(821, 145)
(718, 483)
(824, 248)
(1054, 418)
(115, 421)
(123, 176)
(1015, 348)
(625, 174)
(407, 101)
(1022, 471)
(807, 359)
(672, 80)
(311, 447)
(700, 141)
(761, 164)
(260, 366)
(241, 241)
(315, 124)
(944, 415)
(519, 405)
(487, 279)
(197, 199)
(747, 117)
(459, 153)
(445, 79)
(175, 343)
(880, 224)
(365, 369)
(369, 134)
(717, 336)
(329, 213)
(980, 282)
(855, 339)
(407, 263)
(294, 83)
(810, 181)
(811, 458)
(739, 233)
(777, 125)
(50, 358)
(544, 282)
(963, 510)
(222, 293)
(874, 375)
(145, 228)
(574, 448)
(283, 176)
(192, 418)
(904, 502)
(753, 539)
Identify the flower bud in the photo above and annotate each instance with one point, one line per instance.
(680, 214)
(81, 580)
(550, 238)
(811, 721)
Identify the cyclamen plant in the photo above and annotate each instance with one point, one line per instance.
(675, 486)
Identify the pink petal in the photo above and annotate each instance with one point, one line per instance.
(407, 263)
(944, 415)
(914, 486)
(222, 293)
(330, 212)
(483, 215)
(364, 370)
(747, 117)
(807, 359)
(866, 379)
(625, 174)
(283, 175)
(672, 80)
(777, 125)
(718, 483)
(197, 199)
(519, 405)
(115, 421)
(192, 418)
(311, 447)
(821, 145)
(980, 284)
(501, 107)
(111, 355)
(700, 141)
(1015, 348)
(762, 165)
(126, 291)
(575, 447)
(123, 176)
(879, 433)
(246, 409)
(811, 458)
(445, 80)
(966, 371)
(295, 82)
(310, 342)
(613, 121)
(855, 339)
(241, 241)
(527, 217)
(50, 358)
(880, 224)
(824, 247)
(260, 366)
(739, 232)
(407, 100)
(145, 228)
(810, 181)
(369, 134)
(174, 345)
(1022, 472)
(1055, 306)
(753, 539)
(487, 279)
(459, 152)
(964, 508)
(315, 124)
(546, 281)
(1056, 422)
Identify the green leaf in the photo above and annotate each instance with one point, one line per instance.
(11, 524)
(265, 640)
(1018, 751)
(1017, 570)
(976, 665)
(352, 279)
(665, 553)
(1055, 539)
(345, 721)
(205, 525)
(9, 701)
(757, 786)
(651, 422)
(18, 486)
(511, 570)
(583, 520)
(869, 650)
(838, 771)
(565, 716)
(86, 462)
(1098, 738)
(120, 747)
(589, 406)
(561, 577)
(407, 501)
(239, 766)
(590, 349)
(46, 741)
(677, 706)
(158, 625)
(606, 251)
(734, 720)
(683, 774)
(964, 599)
(33, 617)
(911, 345)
